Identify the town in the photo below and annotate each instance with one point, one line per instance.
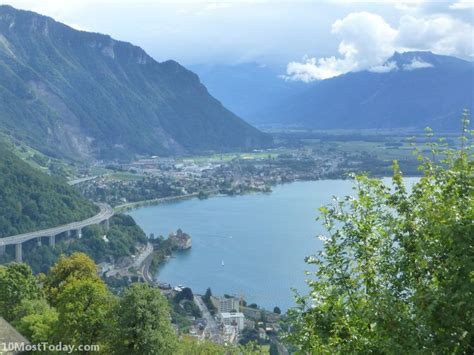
(158, 179)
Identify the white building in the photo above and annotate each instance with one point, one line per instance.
(235, 319)
(228, 304)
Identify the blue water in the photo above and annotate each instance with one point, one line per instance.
(261, 238)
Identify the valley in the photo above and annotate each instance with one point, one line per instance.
(229, 178)
(298, 155)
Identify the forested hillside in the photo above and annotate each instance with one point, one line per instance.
(31, 200)
(81, 94)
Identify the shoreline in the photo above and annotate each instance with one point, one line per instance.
(156, 201)
(212, 193)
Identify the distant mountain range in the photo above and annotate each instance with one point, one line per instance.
(79, 94)
(248, 89)
(422, 89)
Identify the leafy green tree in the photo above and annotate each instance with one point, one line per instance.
(37, 321)
(396, 272)
(191, 346)
(143, 323)
(207, 296)
(84, 306)
(185, 294)
(277, 310)
(17, 284)
(78, 266)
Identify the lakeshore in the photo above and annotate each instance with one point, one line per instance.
(133, 205)
(249, 234)
(261, 238)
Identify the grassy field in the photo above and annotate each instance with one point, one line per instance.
(123, 176)
(231, 156)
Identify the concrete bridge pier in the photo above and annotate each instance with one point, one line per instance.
(68, 234)
(2, 248)
(79, 233)
(38, 241)
(52, 240)
(18, 253)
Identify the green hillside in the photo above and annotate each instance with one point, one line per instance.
(31, 200)
(81, 94)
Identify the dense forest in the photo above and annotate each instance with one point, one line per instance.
(31, 200)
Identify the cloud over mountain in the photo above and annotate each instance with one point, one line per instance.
(367, 41)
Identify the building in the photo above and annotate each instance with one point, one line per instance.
(228, 305)
(180, 240)
(234, 319)
(230, 334)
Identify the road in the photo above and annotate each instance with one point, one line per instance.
(143, 262)
(84, 179)
(105, 213)
(211, 326)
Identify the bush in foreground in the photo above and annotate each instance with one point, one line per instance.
(397, 269)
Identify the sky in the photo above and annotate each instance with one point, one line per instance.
(306, 39)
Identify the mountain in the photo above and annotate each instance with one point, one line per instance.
(81, 94)
(248, 89)
(31, 200)
(424, 89)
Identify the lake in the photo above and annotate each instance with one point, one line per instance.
(252, 245)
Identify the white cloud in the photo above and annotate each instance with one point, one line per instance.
(77, 27)
(408, 5)
(384, 68)
(368, 41)
(441, 34)
(312, 68)
(217, 5)
(462, 5)
(417, 63)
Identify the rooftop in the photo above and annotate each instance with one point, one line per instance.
(9, 335)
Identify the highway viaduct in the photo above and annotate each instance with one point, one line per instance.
(75, 227)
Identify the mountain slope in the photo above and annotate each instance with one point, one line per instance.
(31, 200)
(247, 89)
(425, 90)
(74, 93)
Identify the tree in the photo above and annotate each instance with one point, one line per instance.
(205, 347)
(207, 296)
(277, 310)
(78, 266)
(395, 275)
(17, 284)
(143, 323)
(84, 306)
(185, 294)
(37, 321)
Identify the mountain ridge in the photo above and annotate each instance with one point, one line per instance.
(94, 96)
(425, 89)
